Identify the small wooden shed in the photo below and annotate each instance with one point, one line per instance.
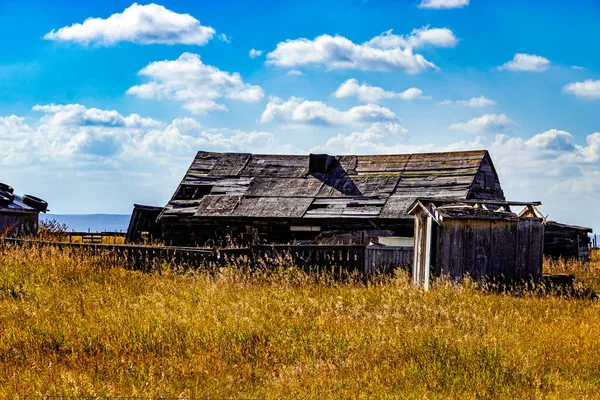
(18, 218)
(480, 239)
(567, 241)
(562, 240)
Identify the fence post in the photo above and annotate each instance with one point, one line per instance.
(364, 263)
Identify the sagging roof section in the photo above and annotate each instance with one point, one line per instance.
(243, 185)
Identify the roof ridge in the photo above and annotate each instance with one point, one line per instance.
(480, 151)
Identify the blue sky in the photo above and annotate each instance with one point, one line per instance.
(96, 114)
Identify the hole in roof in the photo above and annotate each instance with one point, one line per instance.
(192, 192)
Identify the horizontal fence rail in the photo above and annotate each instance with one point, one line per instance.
(335, 259)
(95, 237)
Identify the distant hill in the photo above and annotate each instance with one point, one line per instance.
(91, 222)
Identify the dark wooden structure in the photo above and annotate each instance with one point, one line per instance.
(225, 197)
(562, 240)
(567, 241)
(367, 259)
(143, 225)
(18, 219)
(478, 239)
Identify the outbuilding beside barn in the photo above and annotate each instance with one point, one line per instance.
(19, 214)
(479, 239)
(562, 240)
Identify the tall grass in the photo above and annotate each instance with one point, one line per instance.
(76, 326)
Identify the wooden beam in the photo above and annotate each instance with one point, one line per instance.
(475, 201)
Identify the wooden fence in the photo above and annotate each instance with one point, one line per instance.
(336, 259)
(387, 258)
(339, 259)
(131, 256)
(95, 237)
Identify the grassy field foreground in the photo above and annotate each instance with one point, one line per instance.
(72, 327)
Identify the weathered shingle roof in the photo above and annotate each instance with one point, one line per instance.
(280, 186)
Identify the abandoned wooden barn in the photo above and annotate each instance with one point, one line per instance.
(226, 197)
(480, 239)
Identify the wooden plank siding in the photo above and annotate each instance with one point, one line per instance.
(566, 241)
(16, 222)
(486, 185)
(386, 259)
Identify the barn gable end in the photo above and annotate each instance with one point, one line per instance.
(486, 185)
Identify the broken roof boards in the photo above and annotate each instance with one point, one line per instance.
(242, 185)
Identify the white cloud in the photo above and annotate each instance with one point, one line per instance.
(186, 136)
(480, 101)
(66, 132)
(526, 63)
(552, 140)
(386, 52)
(224, 38)
(488, 123)
(74, 134)
(194, 83)
(552, 167)
(85, 160)
(76, 114)
(436, 37)
(588, 89)
(577, 67)
(143, 24)
(379, 138)
(299, 111)
(294, 72)
(12, 127)
(374, 94)
(255, 53)
(437, 4)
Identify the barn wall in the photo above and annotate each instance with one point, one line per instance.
(186, 230)
(18, 223)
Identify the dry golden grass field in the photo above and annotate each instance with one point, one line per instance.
(73, 326)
